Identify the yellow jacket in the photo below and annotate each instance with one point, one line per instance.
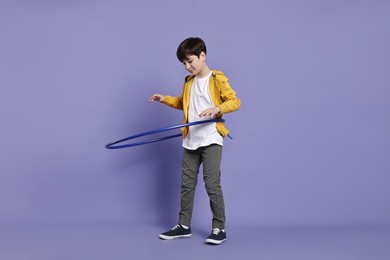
(222, 94)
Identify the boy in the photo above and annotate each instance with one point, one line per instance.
(206, 94)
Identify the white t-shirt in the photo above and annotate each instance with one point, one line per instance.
(200, 100)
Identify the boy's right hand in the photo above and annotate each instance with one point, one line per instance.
(157, 97)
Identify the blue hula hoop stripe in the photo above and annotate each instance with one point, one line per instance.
(114, 145)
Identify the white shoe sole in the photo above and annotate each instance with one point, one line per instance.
(215, 242)
(173, 237)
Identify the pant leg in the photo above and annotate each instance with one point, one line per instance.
(190, 169)
(211, 157)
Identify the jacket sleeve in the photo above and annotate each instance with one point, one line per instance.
(174, 102)
(229, 101)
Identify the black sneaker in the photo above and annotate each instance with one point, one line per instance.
(177, 231)
(218, 236)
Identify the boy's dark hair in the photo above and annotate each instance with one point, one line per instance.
(190, 46)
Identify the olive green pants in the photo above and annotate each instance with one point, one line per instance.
(210, 156)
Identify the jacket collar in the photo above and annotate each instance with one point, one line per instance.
(189, 77)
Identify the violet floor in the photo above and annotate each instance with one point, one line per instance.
(127, 241)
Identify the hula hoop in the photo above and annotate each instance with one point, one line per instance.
(114, 145)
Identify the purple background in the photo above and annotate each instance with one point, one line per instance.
(311, 141)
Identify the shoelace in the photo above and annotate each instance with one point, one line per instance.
(216, 231)
(175, 227)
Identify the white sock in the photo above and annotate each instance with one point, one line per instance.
(184, 226)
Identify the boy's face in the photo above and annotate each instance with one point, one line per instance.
(194, 64)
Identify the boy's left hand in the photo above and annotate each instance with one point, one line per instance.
(210, 112)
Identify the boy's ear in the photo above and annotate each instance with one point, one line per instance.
(202, 56)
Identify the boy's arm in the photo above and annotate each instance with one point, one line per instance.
(174, 102)
(230, 102)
